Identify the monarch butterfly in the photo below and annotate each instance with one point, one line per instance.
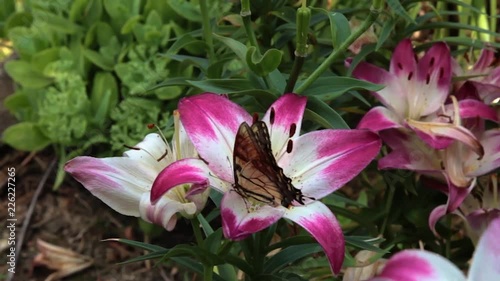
(256, 172)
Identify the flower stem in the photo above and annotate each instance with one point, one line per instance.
(390, 198)
(207, 30)
(195, 223)
(372, 16)
(208, 272)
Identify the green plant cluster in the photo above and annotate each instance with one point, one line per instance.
(84, 70)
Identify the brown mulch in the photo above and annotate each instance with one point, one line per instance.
(73, 219)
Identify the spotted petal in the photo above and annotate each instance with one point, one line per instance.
(211, 122)
(323, 161)
(283, 118)
(318, 220)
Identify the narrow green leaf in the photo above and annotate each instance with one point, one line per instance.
(290, 255)
(320, 112)
(400, 10)
(329, 88)
(222, 86)
(98, 59)
(339, 26)
(236, 46)
(137, 244)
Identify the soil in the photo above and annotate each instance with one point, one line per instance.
(71, 218)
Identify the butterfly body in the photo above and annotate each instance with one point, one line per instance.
(256, 172)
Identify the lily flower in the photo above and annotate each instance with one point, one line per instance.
(419, 265)
(317, 164)
(457, 164)
(124, 183)
(483, 75)
(481, 207)
(415, 92)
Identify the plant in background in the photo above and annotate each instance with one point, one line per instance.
(92, 74)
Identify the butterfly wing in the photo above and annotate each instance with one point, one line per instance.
(256, 173)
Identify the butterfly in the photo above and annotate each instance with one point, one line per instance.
(256, 172)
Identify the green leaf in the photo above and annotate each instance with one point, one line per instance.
(58, 23)
(222, 85)
(339, 26)
(320, 112)
(137, 244)
(236, 46)
(104, 96)
(24, 19)
(23, 73)
(77, 10)
(400, 10)
(365, 243)
(331, 87)
(41, 59)
(184, 41)
(290, 255)
(25, 136)
(262, 65)
(130, 24)
(98, 59)
(386, 31)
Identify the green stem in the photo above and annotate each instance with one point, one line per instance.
(374, 12)
(195, 223)
(207, 30)
(208, 273)
(247, 23)
(390, 198)
(294, 75)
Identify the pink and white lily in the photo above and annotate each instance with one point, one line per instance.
(124, 183)
(418, 265)
(414, 95)
(481, 207)
(458, 164)
(318, 163)
(483, 75)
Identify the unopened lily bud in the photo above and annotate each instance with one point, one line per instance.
(303, 19)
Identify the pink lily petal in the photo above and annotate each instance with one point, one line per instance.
(434, 77)
(318, 220)
(211, 122)
(476, 166)
(164, 211)
(441, 135)
(470, 108)
(486, 260)
(184, 171)
(434, 217)
(415, 265)
(478, 221)
(379, 118)
(117, 181)
(240, 218)
(486, 59)
(393, 95)
(403, 61)
(408, 152)
(284, 120)
(323, 161)
(488, 92)
(456, 195)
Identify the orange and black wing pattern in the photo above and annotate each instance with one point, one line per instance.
(256, 172)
